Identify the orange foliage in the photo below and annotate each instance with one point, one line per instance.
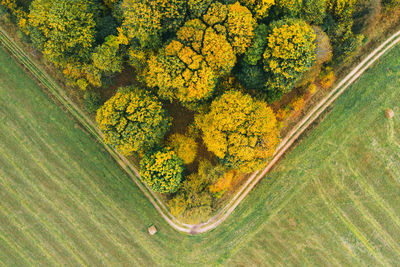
(223, 183)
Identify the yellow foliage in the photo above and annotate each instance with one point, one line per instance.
(328, 79)
(188, 67)
(239, 130)
(259, 7)
(18, 12)
(289, 54)
(240, 25)
(185, 147)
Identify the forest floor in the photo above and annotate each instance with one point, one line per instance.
(333, 200)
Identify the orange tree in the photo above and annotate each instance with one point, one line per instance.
(239, 130)
(132, 121)
(188, 68)
(162, 170)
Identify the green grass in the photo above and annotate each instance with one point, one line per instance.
(334, 200)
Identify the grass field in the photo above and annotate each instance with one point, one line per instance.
(334, 200)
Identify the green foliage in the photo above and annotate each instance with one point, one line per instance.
(197, 8)
(289, 8)
(290, 53)
(339, 29)
(193, 203)
(242, 132)
(132, 121)
(259, 8)
(366, 16)
(145, 21)
(184, 146)
(314, 11)
(391, 4)
(92, 101)
(107, 57)
(162, 170)
(188, 68)
(64, 29)
(254, 54)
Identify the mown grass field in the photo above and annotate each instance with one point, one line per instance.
(333, 200)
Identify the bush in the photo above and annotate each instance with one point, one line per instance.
(92, 101)
(185, 147)
(193, 203)
(162, 170)
(327, 78)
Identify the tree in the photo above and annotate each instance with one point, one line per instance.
(259, 8)
(184, 146)
(290, 53)
(162, 170)
(242, 132)
(107, 57)
(193, 202)
(63, 29)
(189, 67)
(145, 21)
(289, 8)
(132, 121)
(339, 25)
(314, 11)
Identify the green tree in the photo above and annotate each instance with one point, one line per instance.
(63, 29)
(242, 132)
(314, 11)
(132, 121)
(162, 170)
(107, 56)
(339, 26)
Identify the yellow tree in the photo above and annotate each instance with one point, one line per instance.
(239, 130)
(290, 52)
(188, 68)
(145, 21)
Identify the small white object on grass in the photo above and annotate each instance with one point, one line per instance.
(389, 113)
(152, 230)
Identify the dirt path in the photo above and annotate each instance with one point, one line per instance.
(41, 76)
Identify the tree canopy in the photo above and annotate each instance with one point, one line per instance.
(290, 52)
(132, 121)
(162, 170)
(188, 67)
(239, 130)
(145, 21)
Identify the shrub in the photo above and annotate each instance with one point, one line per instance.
(327, 78)
(193, 203)
(92, 101)
(132, 121)
(185, 147)
(223, 184)
(162, 170)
